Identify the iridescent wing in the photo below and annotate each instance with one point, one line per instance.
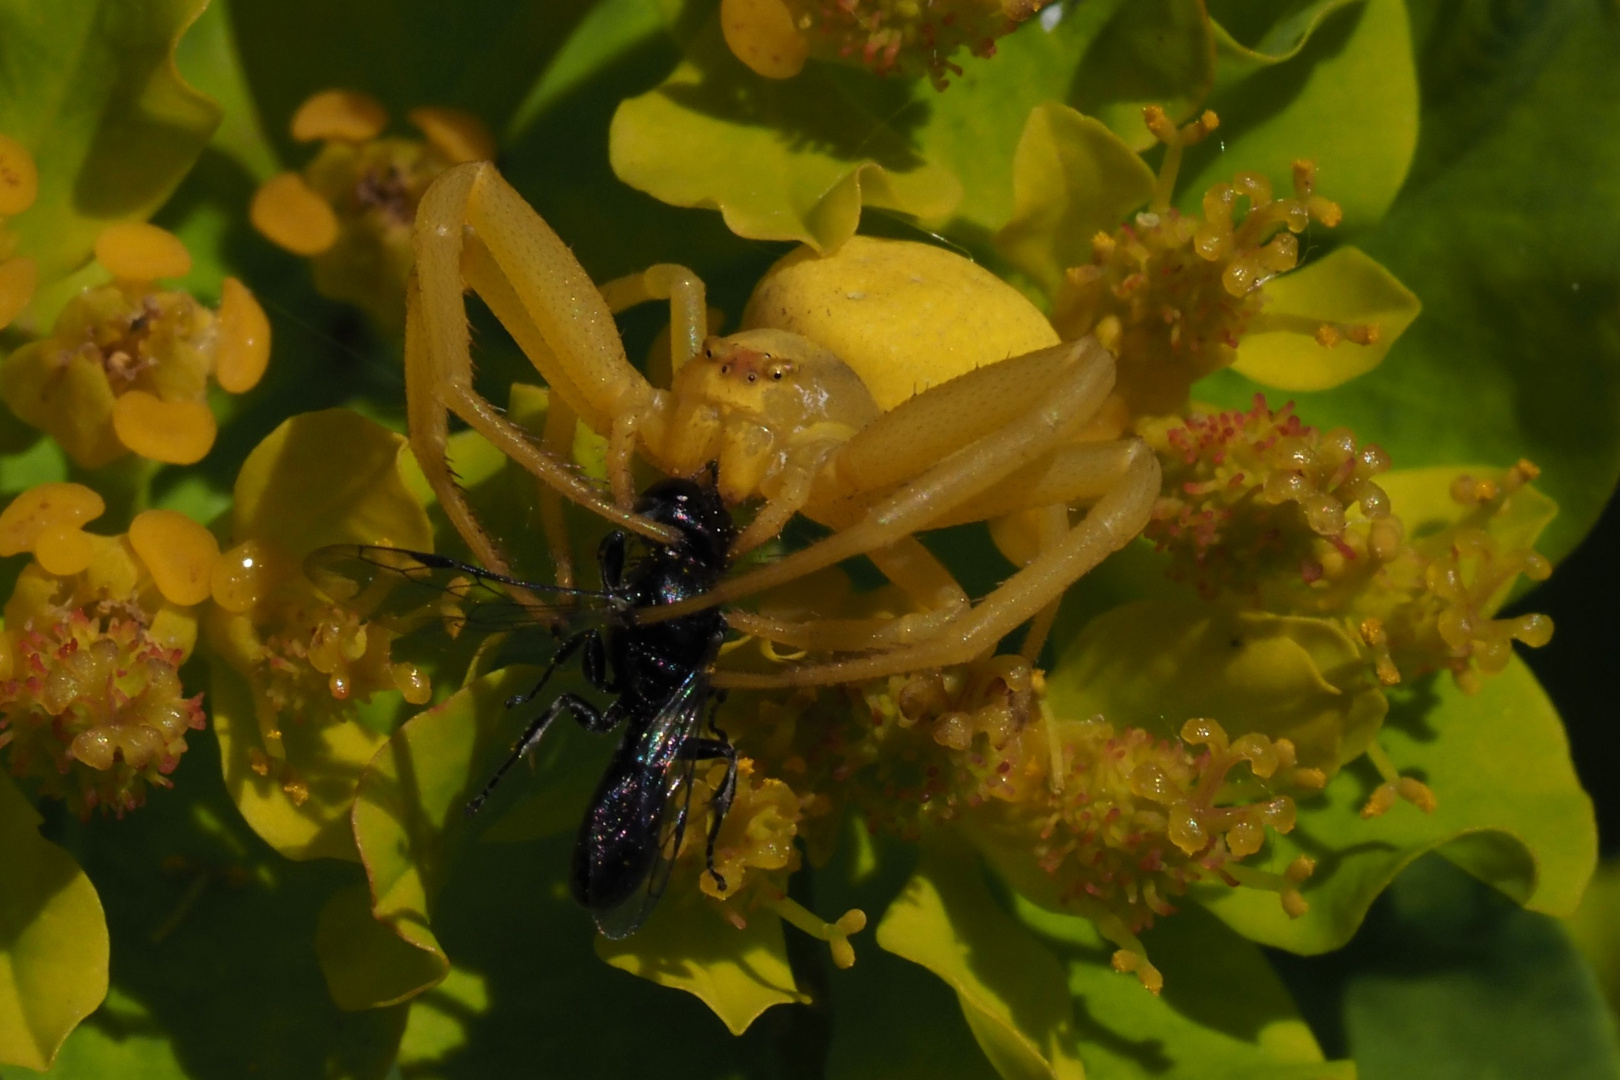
(680, 718)
(410, 589)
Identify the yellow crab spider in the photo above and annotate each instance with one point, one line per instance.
(786, 421)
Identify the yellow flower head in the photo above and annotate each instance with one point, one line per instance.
(307, 657)
(19, 186)
(1259, 504)
(1171, 294)
(1076, 814)
(96, 630)
(127, 365)
(890, 37)
(351, 209)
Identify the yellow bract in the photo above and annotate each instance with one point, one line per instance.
(126, 367)
(136, 251)
(764, 35)
(339, 114)
(19, 180)
(46, 511)
(289, 213)
(19, 186)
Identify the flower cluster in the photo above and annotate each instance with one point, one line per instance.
(1171, 294)
(351, 209)
(96, 630)
(1077, 814)
(19, 187)
(1437, 595)
(127, 365)
(891, 37)
(307, 657)
(1261, 505)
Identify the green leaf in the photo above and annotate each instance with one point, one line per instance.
(1450, 980)
(1518, 350)
(1347, 100)
(365, 963)
(1596, 931)
(408, 815)
(212, 970)
(1223, 1013)
(1267, 37)
(801, 157)
(1072, 178)
(288, 493)
(1153, 52)
(1511, 812)
(687, 944)
(482, 56)
(53, 938)
(1345, 288)
(1010, 987)
(94, 94)
(975, 126)
(1157, 664)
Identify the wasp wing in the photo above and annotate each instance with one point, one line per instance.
(679, 719)
(410, 589)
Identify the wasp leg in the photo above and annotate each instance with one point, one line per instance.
(702, 750)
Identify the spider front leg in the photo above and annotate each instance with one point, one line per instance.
(688, 326)
(1109, 525)
(473, 230)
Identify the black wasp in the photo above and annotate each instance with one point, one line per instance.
(659, 672)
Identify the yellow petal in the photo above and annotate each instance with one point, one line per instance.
(458, 135)
(42, 507)
(63, 549)
(244, 339)
(17, 280)
(179, 553)
(761, 34)
(345, 115)
(288, 212)
(176, 432)
(19, 180)
(136, 251)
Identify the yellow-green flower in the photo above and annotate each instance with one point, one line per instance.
(96, 630)
(127, 366)
(351, 209)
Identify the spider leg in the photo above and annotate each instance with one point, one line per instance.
(474, 230)
(1110, 524)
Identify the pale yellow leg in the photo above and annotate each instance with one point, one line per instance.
(542, 295)
(1116, 518)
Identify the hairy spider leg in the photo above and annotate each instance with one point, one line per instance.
(473, 230)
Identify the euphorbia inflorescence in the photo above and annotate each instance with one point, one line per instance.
(127, 365)
(1171, 294)
(351, 209)
(890, 37)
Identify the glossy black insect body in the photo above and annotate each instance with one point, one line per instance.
(659, 672)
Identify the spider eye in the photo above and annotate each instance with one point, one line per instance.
(725, 369)
(709, 353)
(777, 374)
(753, 376)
